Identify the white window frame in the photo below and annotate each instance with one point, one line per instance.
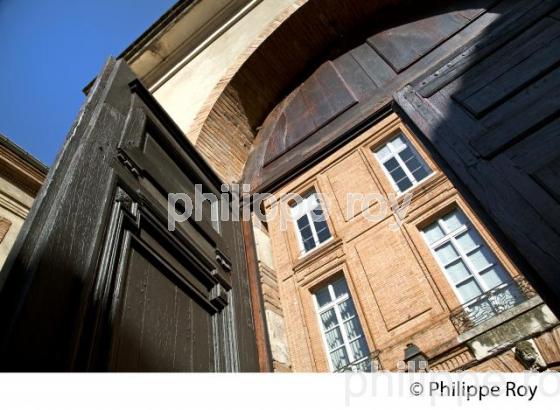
(451, 237)
(394, 154)
(334, 304)
(306, 207)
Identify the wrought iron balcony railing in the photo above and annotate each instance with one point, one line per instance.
(491, 303)
(366, 364)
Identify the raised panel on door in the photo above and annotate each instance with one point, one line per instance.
(492, 113)
(97, 281)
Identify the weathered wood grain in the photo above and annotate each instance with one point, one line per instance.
(96, 281)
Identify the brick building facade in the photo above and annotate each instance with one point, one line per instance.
(442, 115)
(402, 292)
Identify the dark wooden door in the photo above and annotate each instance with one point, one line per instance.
(96, 281)
(492, 113)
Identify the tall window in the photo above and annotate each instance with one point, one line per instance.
(311, 225)
(342, 333)
(470, 266)
(403, 165)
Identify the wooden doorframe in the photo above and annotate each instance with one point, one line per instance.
(257, 300)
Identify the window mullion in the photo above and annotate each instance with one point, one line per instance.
(469, 265)
(300, 236)
(446, 239)
(345, 337)
(405, 169)
(440, 242)
(388, 173)
(323, 330)
(458, 231)
(312, 226)
(443, 227)
(333, 296)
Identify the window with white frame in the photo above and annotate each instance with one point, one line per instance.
(469, 265)
(402, 163)
(341, 329)
(310, 221)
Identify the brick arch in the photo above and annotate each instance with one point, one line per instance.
(221, 86)
(328, 59)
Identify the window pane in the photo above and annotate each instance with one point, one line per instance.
(328, 319)
(433, 233)
(446, 253)
(353, 328)
(494, 276)
(453, 221)
(403, 184)
(420, 173)
(401, 148)
(468, 241)
(321, 226)
(347, 309)
(398, 175)
(303, 222)
(481, 259)
(414, 164)
(469, 290)
(306, 233)
(391, 165)
(339, 358)
(334, 338)
(340, 288)
(323, 232)
(476, 269)
(407, 155)
(383, 153)
(323, 296)
(341, 336)
(398, 143)
(359, 348)
(457, 271)
(312, 200)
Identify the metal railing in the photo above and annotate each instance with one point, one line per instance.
(497, 300)
(368, 364)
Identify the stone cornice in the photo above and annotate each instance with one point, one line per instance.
(179, 36)
(20, 168)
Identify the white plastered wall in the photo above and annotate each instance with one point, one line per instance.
(191, 92)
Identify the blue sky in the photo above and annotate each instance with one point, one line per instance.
(49, 50)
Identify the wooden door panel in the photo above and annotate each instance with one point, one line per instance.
(163, 313)
(96, 281)
(492, 113)
(531, 165)
(533, 106)
(161, 328)
(511, 68)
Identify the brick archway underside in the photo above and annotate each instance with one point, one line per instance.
(314, 44)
